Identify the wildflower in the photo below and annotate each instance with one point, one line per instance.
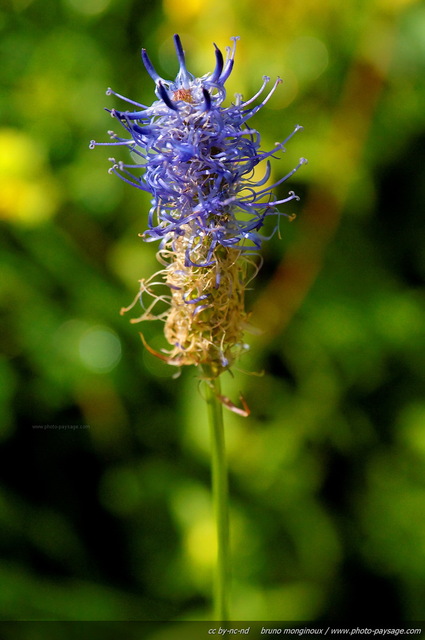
(197, 159)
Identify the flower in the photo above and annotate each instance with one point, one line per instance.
(197, 159)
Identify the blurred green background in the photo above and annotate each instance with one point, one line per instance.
(111, 520)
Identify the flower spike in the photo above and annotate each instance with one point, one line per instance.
(197, 160)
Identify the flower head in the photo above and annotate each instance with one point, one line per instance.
(197, 158)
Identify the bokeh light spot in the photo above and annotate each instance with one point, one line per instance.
(308, 57)
(100, 349)
(30, 194)
(177, 10)
(201, 544)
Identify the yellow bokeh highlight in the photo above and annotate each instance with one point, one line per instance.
(192, 510)
(201, 543)
(182, 11)
(28, 191)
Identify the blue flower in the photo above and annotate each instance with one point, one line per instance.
(196, 158)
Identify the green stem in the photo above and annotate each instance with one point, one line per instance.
(220, 499)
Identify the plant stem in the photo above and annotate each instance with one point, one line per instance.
(220, 499)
